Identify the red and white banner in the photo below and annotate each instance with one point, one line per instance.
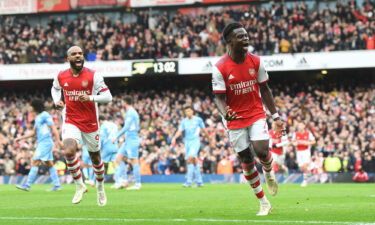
(89, 4)
(53, 5)
(223, 1)
(148, 3)
(18, 6)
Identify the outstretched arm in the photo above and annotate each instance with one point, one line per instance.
(31, 134)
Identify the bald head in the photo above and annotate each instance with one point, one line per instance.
(73, 49)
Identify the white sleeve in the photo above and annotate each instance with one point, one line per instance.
(101, 92)
(284, 141)
(103, 97)
(262, 73)
(56, 90)
(99, 85)
(311, 137)
(218, 83)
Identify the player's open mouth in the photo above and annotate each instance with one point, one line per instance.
(78, 62)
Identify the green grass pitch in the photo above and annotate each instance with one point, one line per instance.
(160, 204)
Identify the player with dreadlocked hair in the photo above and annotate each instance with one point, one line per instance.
(239, 82)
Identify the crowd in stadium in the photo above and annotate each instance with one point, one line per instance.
(278, 29)
(341, 120)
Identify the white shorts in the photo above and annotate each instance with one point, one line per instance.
(278, 159)
(91, 140)
(240, 138)
(303, 157)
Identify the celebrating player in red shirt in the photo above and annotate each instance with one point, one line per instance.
(83, 89)
(277, 145)
(302, 140)
(239, 82)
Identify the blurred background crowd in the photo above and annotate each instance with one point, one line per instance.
(188, 32)
(340, 115)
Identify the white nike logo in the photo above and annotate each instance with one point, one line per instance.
(230, 77)
(66, 84)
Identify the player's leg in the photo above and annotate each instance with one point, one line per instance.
(92, 142)
(240, 140)
(259, 137)
(303, 160)
(53, 174)
(120, 175)
(281, 163)
(197, 169)
(133, 155)
(71, 135)
(190, 165)
(251, 174)
(33, 173)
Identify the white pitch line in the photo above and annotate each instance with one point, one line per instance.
(188, 220)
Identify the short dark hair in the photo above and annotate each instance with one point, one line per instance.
(101, 118)
(38, 105)
(188, 107)
(229, 28)
(128, 100)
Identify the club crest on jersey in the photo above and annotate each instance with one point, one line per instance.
(252, 71)
(85, 83)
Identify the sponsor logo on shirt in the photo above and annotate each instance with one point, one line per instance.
(230, 77)
(73, 95)
(243, 87)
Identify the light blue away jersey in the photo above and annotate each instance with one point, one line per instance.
(108, 131)
(131, 126)
(42, 123)
(192, 127)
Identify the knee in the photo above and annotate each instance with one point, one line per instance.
(70, 147)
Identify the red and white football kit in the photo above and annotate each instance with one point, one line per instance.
(81, 118)
(240, 83)
(277, 144)
(303, 151)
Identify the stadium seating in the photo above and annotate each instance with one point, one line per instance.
(139, 35)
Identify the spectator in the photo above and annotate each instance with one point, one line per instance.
(361, 176)
(178, 33)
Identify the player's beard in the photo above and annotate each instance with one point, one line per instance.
(74, 66)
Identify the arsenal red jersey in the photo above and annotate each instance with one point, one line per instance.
(275, 139)
(303, 136)
(84, 115)
(240, 83)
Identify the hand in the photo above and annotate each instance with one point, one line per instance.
(114, 140)
(84, 98)
(280, 127)
(230, 115)
(60, 105)
(60, 145)
(16, 139)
